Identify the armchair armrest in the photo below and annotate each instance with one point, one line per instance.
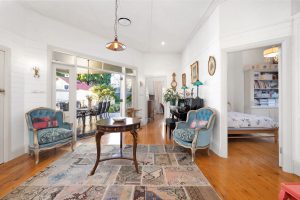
(181, 125)
(67, 125)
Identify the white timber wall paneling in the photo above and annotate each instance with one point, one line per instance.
(28, 35)
(208, 37)
(296, 94)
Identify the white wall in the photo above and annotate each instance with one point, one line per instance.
(28, 35)
(206, 43)
(236, 64)
(157, 65)
(235, 87)
(296, 95)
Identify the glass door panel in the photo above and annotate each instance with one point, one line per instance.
(64, 91)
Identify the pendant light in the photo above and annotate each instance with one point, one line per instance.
(116, 45)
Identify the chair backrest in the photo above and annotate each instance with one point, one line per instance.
(103, 107)
(99, 107)
(107, 106)
(202, 114)
(43, 112)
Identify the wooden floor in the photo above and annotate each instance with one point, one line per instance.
(250, 172)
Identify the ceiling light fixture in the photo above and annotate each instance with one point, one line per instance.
(271, 52)
(163, 43)
(123, 21)
(116, 45)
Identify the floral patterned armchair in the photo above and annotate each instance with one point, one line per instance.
(196, 131)
(47, 130)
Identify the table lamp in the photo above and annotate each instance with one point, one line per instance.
(197, 84)
(184, 87)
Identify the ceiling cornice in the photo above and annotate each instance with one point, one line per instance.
(209, 11)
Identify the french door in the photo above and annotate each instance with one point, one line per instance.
(64, 93)
(2, 93)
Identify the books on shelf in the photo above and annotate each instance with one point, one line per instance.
(265, 91)
(265, 84)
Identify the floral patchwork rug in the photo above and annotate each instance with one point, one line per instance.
(165, 173)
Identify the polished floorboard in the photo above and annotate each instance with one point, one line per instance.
(250, 172)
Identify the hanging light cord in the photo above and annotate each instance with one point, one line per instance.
(116, 20)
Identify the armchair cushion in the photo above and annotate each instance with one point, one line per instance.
(186, 135)
(51, 135)
(198, 124)
(44, 122)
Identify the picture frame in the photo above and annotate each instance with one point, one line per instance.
(211, 67)
(194, 72)
(183, 77)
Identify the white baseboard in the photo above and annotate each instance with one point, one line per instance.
(297, 168)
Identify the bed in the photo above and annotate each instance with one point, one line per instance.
(241, 125)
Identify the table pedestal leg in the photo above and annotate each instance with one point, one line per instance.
(98, 144)
(134, 135)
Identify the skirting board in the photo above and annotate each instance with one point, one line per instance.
(297, 167)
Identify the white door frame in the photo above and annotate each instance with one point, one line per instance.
(285, 100)
(72, 90)
(7, 105)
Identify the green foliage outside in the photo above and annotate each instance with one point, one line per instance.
(114, 108)
(95, 79)
(103, 92)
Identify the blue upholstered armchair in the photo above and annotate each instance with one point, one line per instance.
(196, 131)
(47, 130)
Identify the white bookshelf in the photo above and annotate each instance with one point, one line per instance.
(262, 90)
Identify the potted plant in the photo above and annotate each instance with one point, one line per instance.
(171, 96)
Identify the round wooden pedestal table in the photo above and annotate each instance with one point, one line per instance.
(105, 126)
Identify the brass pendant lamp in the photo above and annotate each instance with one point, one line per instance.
(116, 45)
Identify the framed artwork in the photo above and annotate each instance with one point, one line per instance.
(183, 79)
(194, 72)
(211, 65)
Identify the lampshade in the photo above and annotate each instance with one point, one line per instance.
(115, 45)
(197, 83)
(271, 52)
(184, 87)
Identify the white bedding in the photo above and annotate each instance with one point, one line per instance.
(242, 120)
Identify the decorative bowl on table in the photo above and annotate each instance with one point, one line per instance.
(119, 119)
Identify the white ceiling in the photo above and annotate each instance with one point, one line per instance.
(153, 21)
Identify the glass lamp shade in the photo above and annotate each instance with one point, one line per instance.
(197, 83)
(184, 87)
(271, 52)
(115, 45)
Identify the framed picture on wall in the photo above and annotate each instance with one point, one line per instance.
(194, 72)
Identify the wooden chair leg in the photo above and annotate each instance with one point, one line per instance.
(72, 146)
(193, 154)
(37, 156)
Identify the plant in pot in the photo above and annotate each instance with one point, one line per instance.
(171, 96)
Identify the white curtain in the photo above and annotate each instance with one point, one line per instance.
(157, 87)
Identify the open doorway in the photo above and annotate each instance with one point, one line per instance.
(155, 86)
(253, 93)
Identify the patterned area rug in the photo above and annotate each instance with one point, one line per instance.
(165, 173)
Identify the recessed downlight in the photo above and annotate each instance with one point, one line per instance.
(163, 43)
(123, 21)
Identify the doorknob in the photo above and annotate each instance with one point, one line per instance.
(2, 91)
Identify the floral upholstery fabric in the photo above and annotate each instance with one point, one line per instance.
(51, 135)
(186, 135)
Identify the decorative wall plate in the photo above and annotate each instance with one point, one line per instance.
(211, 65)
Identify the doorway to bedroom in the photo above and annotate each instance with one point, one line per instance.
(253, 101)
